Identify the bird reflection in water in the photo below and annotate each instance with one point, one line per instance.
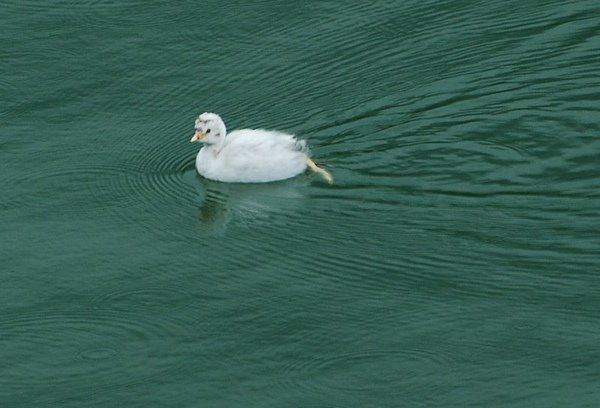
(250, 204)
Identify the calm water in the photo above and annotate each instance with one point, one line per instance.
(454, 263)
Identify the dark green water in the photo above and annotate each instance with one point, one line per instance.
(455, 262)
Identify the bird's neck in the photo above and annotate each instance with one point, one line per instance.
(214, 148)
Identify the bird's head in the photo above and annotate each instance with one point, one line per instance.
(210, 129)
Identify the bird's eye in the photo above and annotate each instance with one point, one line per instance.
(207, 130)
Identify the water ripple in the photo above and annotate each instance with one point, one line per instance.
(84, 347)
(63, 178)
(144, 300)
(164, 174)
(369, 370)
(80, 187)
(100, 13)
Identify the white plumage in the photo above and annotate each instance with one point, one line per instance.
(249, 155)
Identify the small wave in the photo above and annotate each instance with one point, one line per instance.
(143, 300)
(57, 346)
(101, 13)
(402, 373)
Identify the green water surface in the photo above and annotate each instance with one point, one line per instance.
(455, 262)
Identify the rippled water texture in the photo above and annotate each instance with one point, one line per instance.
(454, 262)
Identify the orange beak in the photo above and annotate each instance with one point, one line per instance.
(197, 137)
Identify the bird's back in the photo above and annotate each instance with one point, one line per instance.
(257, 155)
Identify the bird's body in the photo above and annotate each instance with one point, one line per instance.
(253, 156)
(249, 155)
